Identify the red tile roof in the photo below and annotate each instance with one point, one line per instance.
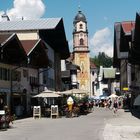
(128, 26)
(28, 45)
(92, 65)
(4, 37)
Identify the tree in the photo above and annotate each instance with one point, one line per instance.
(102, 60)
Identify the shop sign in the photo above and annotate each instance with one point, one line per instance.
(125, 88)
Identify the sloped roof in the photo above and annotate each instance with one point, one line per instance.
(92, 65)
(28, 45)
(51, 30)
(12, 50)
(35, 50)
(134, 55)
(71, 66)
(122, 36)
(128, 26)
(49, 23)
(4, 38)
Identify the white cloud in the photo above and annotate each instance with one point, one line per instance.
(28, 9)
(102, 42)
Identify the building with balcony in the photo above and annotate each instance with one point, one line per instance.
(42, 43)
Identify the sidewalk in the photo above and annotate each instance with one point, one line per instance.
(124, 126)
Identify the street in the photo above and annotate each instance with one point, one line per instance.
(101, 124)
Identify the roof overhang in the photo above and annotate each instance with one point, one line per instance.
(65, 75)
(137, 32)
(117, 36)
(12, 52)
(36, 52)
(122, 38)
(71, 66)
(134, 56)
(51, 30)
(56, 38)
(26, 25)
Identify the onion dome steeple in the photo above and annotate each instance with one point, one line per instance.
(79, 17)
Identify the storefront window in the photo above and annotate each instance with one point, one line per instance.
(4, 74)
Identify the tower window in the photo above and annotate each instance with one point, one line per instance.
(81, 26)
(81, 41)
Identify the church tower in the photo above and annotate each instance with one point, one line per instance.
(81, 50)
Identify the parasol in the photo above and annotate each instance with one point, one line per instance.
(74, 91)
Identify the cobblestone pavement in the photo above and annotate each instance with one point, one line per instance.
(123, 126)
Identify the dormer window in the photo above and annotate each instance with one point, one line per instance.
(81, 26)
(81, 41)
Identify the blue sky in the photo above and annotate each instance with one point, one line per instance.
(101, 16)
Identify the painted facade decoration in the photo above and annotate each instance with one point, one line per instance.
(81, 51)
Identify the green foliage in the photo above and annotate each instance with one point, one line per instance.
(102, 60)
(78, 100)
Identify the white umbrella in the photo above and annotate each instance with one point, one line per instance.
(48, 94)
(137, 100)
(113, 96)
(47, 91)
(74, 91)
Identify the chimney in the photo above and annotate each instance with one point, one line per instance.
(5, 17)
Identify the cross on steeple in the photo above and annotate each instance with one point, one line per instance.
(79, 8)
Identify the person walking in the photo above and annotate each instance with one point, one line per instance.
(115, 106)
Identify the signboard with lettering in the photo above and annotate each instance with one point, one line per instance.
(2, 112)
(37, 112)
(54, 110)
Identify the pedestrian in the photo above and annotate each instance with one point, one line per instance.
(105, 104)
(115, 106)
(119, 103)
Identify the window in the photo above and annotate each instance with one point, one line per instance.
(4, 74)
(81, 26)
(33, 80)
(25, 73)
(81, 41)
(16, 76)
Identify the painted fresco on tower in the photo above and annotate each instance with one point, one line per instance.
(80, 50)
